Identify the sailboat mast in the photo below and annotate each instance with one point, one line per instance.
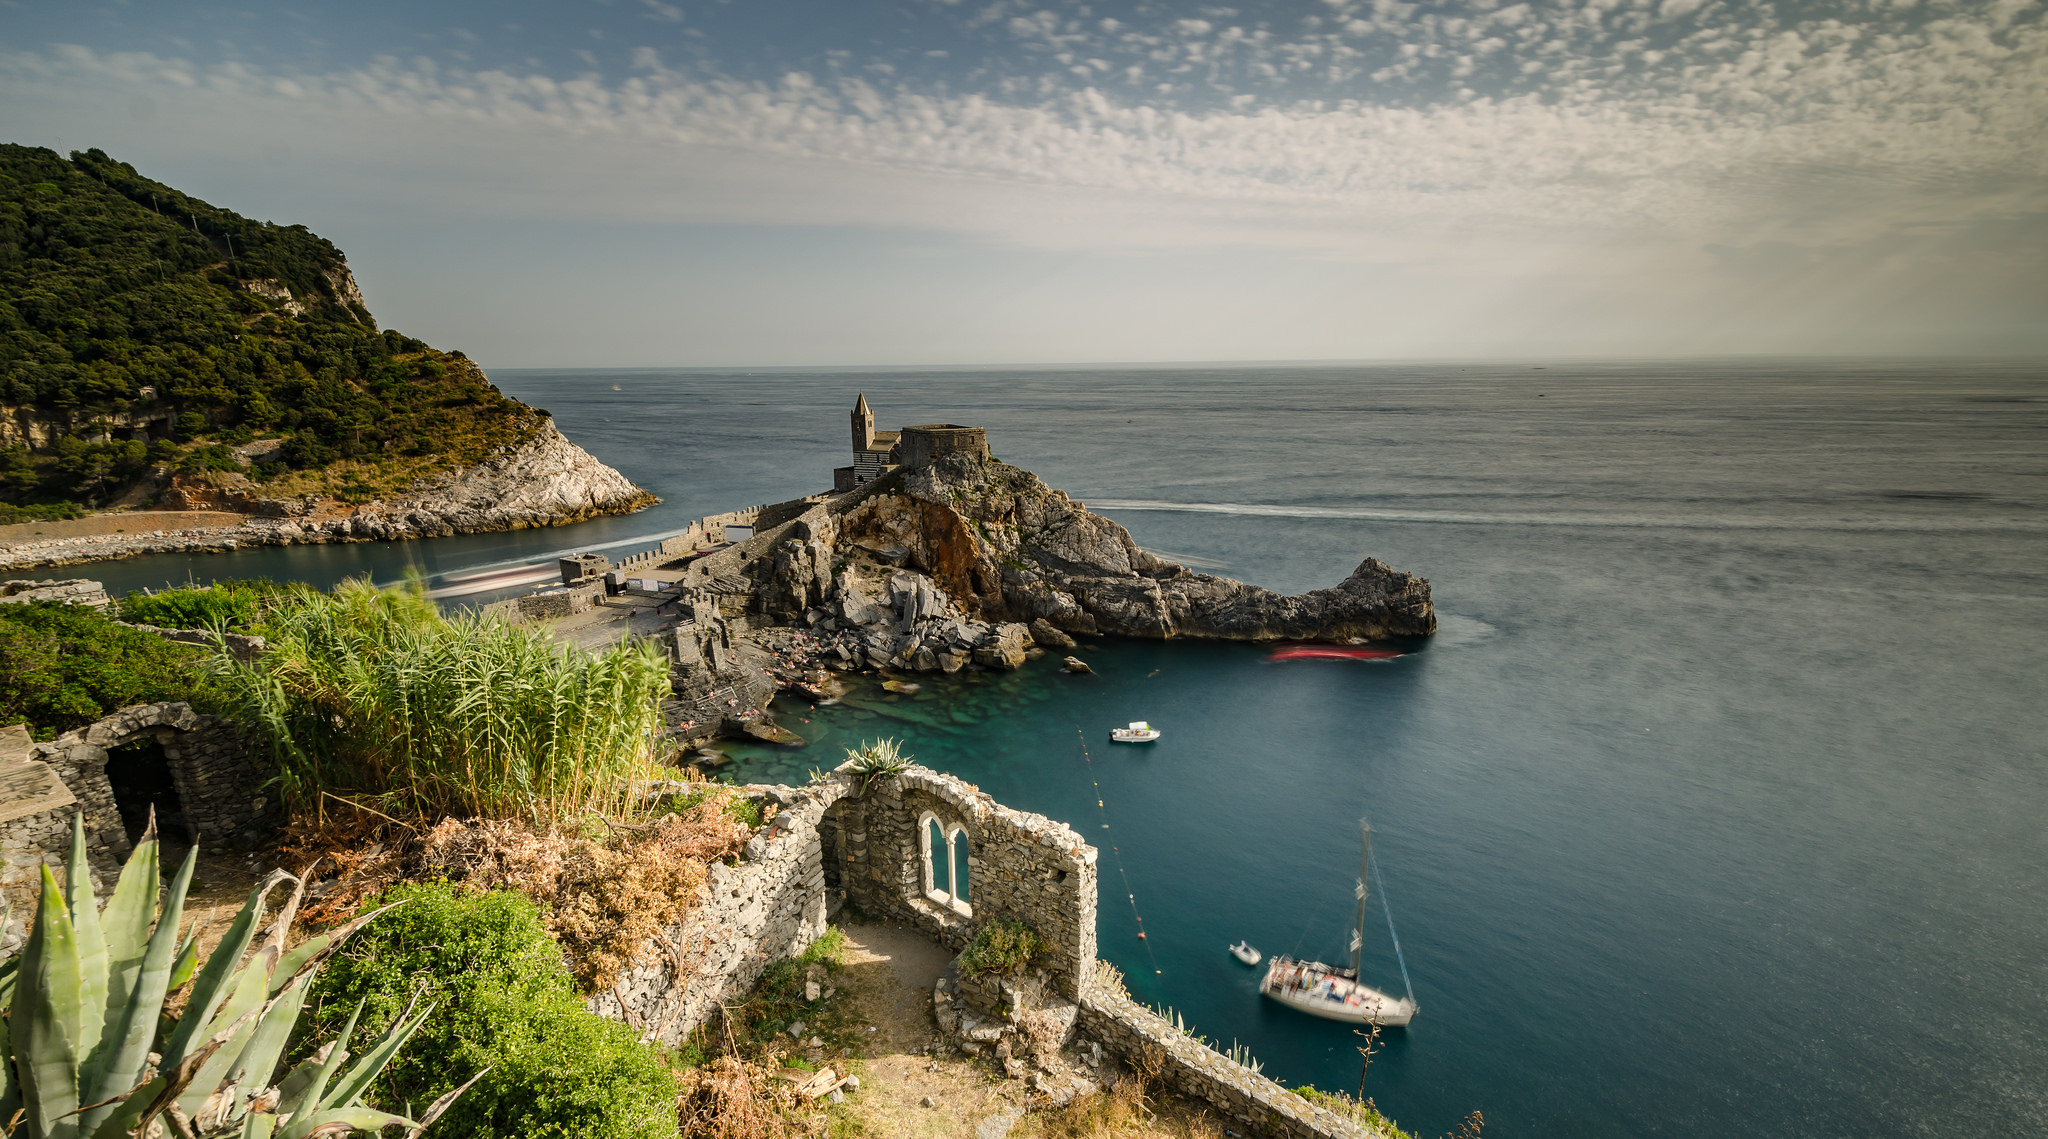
(1358, 921)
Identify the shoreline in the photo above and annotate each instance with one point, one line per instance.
(49, 553)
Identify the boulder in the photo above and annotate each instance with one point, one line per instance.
(1004, 650)
(1050, 635)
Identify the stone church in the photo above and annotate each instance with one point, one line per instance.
(876, 453)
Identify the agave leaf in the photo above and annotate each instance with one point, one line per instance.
(340, 1121)
(125, 1051)
(316, 1085)
(212, 986)
(92, 945)
(258, 1061)
(45, 1015)
(251, 986)
(178, 1078)
(126, 920)
(291, 1091)
(258, 1125)
(441, 1106)
(288, 966)
(188, 958)
(357, 1080)
(127, 1114)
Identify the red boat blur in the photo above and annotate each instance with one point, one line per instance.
(1331, 652)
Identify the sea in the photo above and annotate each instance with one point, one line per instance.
(1717, 805)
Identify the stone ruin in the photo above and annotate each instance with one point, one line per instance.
(837, 843)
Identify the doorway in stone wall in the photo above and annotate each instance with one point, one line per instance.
(140, 775)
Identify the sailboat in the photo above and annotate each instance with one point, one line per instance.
(1335, 993)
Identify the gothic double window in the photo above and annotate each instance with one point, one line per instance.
(946, 864)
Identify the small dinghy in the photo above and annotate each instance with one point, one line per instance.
(1139, 732)
(1245, 953)
(1336, 993)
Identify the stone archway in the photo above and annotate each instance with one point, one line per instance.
(206, 764)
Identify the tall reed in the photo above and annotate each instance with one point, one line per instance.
(370, 696)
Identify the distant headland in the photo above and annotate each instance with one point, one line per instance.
(181, 378)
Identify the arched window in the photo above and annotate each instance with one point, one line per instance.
(945, 864)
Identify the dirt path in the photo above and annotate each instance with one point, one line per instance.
(889, 977)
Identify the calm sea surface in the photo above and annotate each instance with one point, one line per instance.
(1719, 805)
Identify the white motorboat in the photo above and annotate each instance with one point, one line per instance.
(1245, 953)
(1336, 993)
(1139, 732)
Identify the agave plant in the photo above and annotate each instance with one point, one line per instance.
(86, 1051)
(875, 759)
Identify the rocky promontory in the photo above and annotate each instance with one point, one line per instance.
(1013, 549)
(545, 481)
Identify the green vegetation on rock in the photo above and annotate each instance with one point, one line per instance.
(1002, 946)
(143, 329)
(64, 666)
(502, 998)
(230, 605)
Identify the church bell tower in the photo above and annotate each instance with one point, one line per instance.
(863, 425)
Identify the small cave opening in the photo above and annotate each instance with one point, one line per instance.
(140, 774)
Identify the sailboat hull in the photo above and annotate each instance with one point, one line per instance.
(1324, 992)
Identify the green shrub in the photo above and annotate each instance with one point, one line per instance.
(1366, 1114)
(64, 666)
(1001, 946)
(197, 607)
(49, 512)
(505, 999)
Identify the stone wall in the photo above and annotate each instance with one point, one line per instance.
(918, 447)
(221, 770)
(1021, 866)
(770, 906)
(218, 769)
(1255, 1104)
(827, 837)
(558, 602)
(72, 591)
(833, 840)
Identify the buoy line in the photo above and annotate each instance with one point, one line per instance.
(1117, 854)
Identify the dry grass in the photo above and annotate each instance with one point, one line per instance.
(607, 889)
(729, 1098)
(1122, 1112)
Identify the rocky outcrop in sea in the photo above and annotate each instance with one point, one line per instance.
(546, 481)
(1010, 548)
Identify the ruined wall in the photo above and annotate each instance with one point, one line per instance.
(770, 906)
(1021, 866)
(71, 591)
(218, 769)
(1257, 1105)
(221, 770)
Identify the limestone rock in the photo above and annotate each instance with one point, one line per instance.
(1076, 664)
(1051, 636)
(1005, 650)
(1007, 547)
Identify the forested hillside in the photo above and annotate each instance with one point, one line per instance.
(145, 333)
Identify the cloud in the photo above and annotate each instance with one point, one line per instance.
(1746, 132)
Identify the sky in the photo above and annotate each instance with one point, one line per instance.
(759, 182)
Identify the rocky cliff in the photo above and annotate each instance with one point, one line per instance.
(1005, 548)
(544, 481)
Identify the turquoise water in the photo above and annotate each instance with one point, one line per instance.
(1716, 805)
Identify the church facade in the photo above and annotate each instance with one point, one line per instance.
(876, 453)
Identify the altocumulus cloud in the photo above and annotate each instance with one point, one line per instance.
(1733, 157)
(1839, 127)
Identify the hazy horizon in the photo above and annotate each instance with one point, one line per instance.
(644, 184)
